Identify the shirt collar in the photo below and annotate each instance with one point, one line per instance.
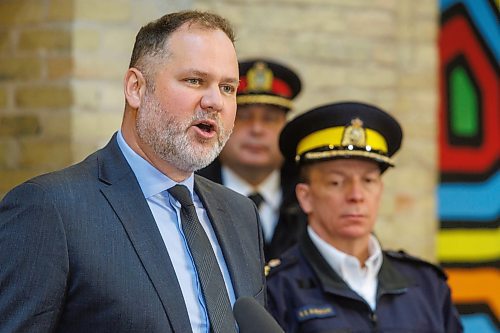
(270, 188)
(151, 180)
(339, 260)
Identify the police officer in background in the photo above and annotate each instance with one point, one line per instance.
(338, 279)
(251, 162)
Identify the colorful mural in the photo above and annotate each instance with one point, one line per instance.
(469, 146)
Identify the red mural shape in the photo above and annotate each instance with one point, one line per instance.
(458, 39)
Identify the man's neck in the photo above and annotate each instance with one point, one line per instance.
(358, 248)
(146, 153)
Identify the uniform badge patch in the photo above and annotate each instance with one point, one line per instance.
(260, 77)
(314, 312)
(354, 134)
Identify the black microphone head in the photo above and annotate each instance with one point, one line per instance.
(252, 317)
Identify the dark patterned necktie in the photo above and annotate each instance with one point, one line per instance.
(212, 283)
(257, 198)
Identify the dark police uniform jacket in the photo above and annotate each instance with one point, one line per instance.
(306, 295)
(291, 222)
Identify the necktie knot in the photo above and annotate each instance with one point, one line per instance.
(181, 194)
(257, 198)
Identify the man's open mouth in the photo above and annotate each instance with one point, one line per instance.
(206, 126)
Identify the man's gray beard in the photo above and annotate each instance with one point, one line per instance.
(169, 140)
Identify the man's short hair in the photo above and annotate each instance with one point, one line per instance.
(151, 38)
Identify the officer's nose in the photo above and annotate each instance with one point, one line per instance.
(355, 191)
(257, 124)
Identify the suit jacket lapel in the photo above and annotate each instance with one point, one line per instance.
(120, 187)
(228, 238)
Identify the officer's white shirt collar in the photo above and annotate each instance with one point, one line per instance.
(270, 189)
(363, 280)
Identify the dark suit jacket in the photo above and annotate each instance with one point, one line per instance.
(291, 222)
(81, 252)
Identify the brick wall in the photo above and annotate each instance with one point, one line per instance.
(62, 64)
(35, 95)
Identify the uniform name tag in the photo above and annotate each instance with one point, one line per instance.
(314, 311)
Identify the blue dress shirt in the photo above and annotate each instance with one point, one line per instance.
(166, 212)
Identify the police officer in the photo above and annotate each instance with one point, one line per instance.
(251, 162)
(338, 279)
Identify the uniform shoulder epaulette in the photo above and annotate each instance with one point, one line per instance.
(402, 255)
(276, 265)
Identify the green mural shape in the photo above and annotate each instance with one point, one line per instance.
(464, 104)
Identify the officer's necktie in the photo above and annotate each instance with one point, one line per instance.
(257, 198)
(209, 273)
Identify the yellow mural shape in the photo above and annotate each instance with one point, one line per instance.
(468, 245)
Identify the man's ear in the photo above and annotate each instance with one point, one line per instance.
(302, 191)
(134, 86)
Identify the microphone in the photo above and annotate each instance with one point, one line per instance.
(252, 317)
